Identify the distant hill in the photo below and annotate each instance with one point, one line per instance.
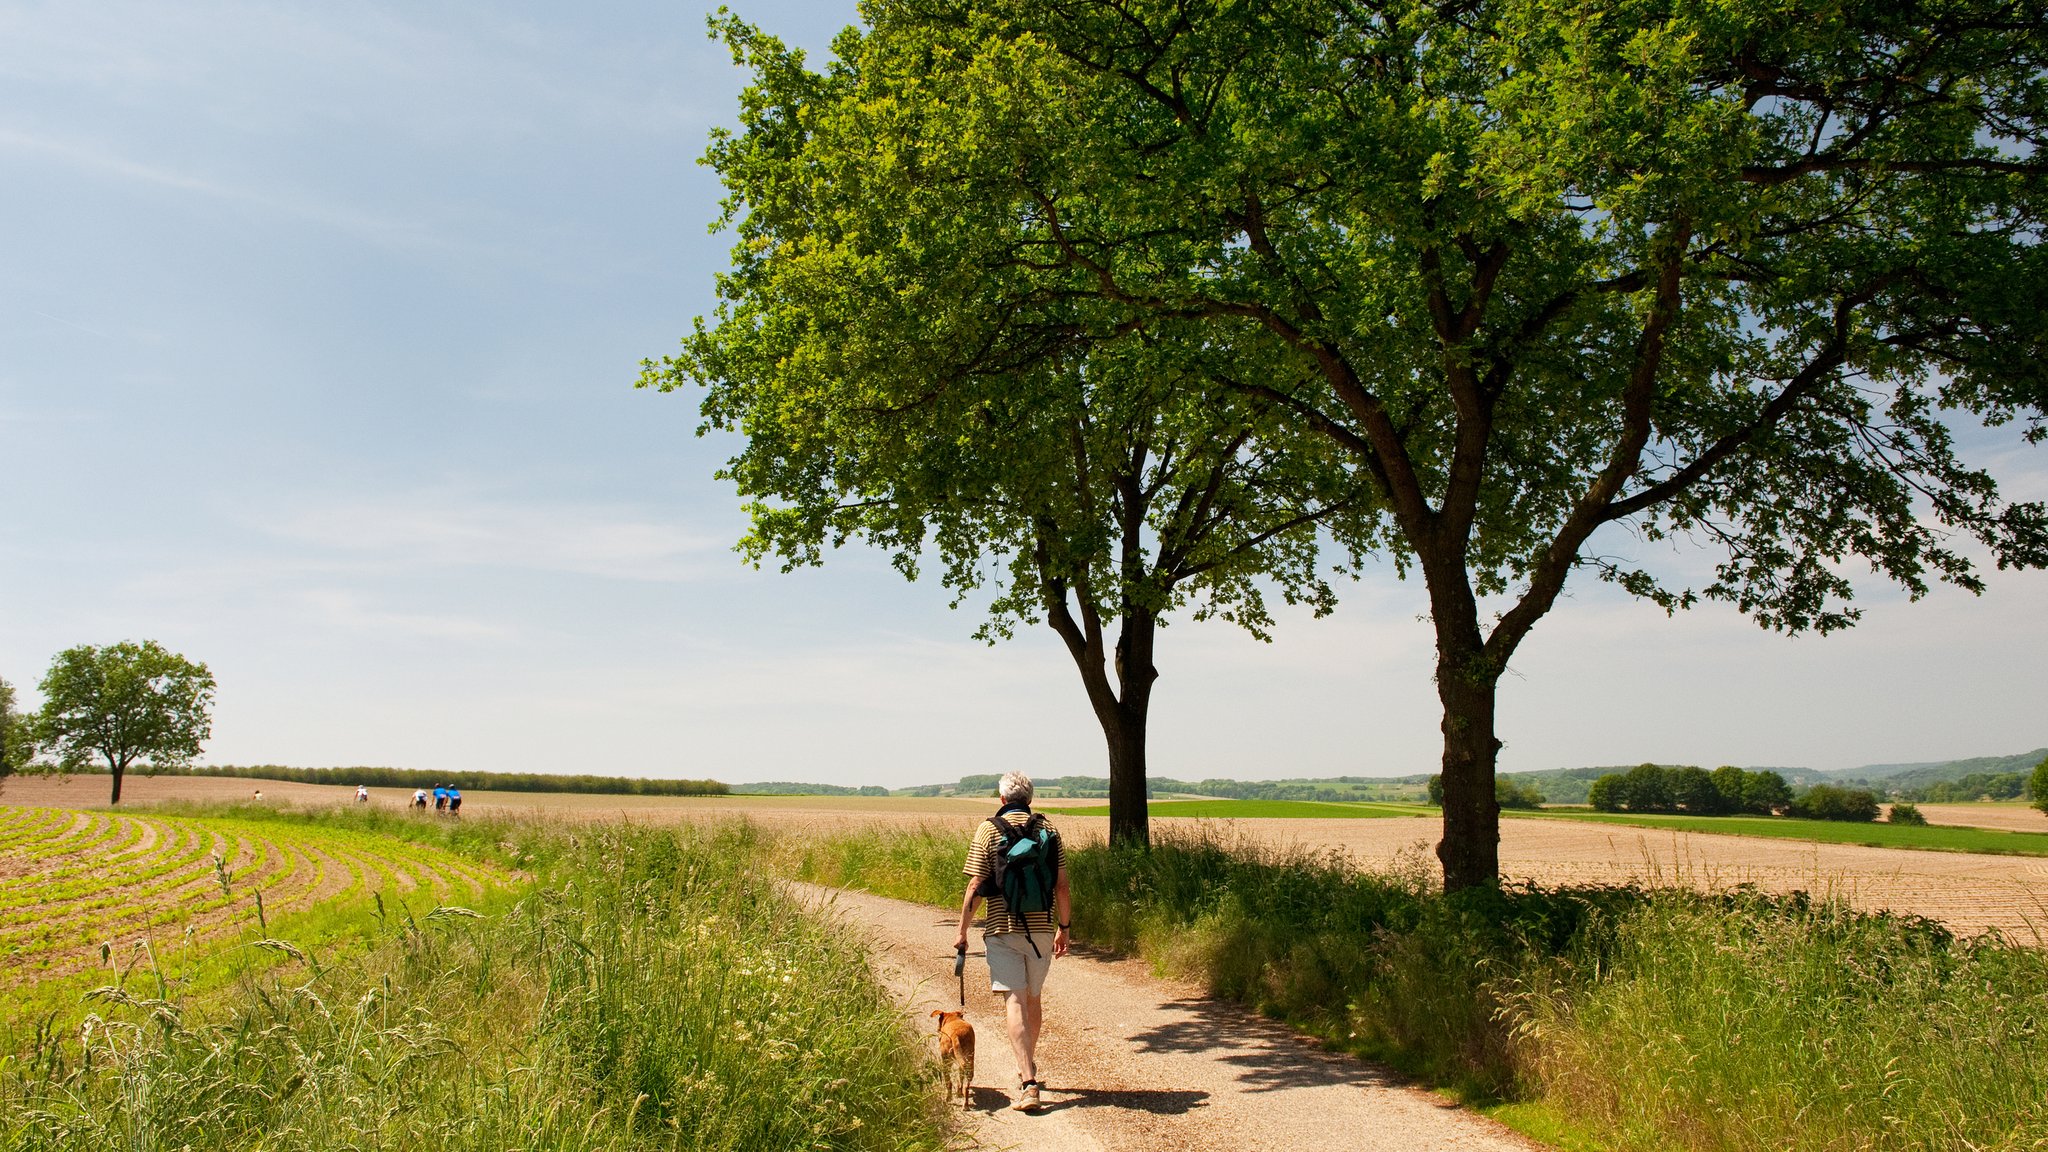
(1903, 776)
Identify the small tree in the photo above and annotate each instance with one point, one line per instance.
(14, 737)
(1729, 781)
(1604, 795)
(2037, 785)
(1765, 793)
(1834, 802)
(1646, 788)
(1511, 793)
(1693, 789)
(124, 703)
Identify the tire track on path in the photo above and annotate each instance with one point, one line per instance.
(1137, 1064)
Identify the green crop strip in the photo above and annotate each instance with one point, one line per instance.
(1932, 837)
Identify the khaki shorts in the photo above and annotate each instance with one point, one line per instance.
(1012, 967)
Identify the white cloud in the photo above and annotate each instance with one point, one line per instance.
(448, 529)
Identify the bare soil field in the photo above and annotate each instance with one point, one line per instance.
(2008, 817)
(1970, 893)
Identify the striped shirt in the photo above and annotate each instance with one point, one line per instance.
(997, 920)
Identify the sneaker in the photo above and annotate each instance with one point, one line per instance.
(1027, 1100)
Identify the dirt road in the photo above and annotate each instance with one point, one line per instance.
(1132, 1062)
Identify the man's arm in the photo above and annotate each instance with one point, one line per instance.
(1063, 907)
(967, 903)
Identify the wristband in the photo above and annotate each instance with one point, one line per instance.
(1067, 926)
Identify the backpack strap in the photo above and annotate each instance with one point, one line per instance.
(999, 857)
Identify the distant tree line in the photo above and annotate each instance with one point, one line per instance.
(479, 781)
(798, 788)
(1725, 791)
(1508, 792)
(1974, 786)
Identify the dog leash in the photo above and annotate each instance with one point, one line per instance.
(960, 971)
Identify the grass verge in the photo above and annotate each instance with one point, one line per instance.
(1594, 1017)
(645, 989)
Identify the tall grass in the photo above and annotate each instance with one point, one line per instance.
(1646, 1018)
(650, 992)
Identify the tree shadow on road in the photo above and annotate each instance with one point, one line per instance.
(1158, 1102)
(1271, 1057)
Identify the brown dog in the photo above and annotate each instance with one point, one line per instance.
(956, 1046)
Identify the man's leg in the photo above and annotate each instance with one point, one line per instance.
(1023, 1019)
(1034, 1014)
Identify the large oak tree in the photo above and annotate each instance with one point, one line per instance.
(1098, 484)
(1730, 273)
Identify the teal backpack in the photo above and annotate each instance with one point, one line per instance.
(1025, 866)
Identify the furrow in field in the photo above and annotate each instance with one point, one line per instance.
(42, 824)
(138, 839)
(180, 854)
(53, 836)
(258, 865)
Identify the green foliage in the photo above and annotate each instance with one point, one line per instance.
(1512, 793)
(1606, 794)
(2037, 784)
(1906, 814)
(123, 703)
(1754, 1024)
(1910, 777)
(1833, 802)
(1970, 786)
(1333, 790)
(651, 992)
(1694, 791)
(1508, 792)
(16, 745)
(1728, 273)
(1765, 792)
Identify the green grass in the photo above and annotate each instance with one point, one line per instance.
(639, 988)
(1262, 809)
(1935, 837)
(1595, 1018)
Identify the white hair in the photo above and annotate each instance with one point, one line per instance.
(1015, 788)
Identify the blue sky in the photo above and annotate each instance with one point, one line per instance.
(318, 326)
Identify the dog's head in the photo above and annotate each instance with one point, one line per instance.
(946, 1018)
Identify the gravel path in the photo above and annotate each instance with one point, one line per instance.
(1135, 1063)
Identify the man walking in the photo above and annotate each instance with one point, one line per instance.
(1016, 863)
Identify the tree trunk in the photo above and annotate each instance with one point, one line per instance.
(1130, 823)
(1470, 849)
(117, 767)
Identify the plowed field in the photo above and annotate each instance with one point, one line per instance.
(77, 886)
